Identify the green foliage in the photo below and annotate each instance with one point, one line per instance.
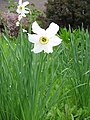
(65, 12)
(45, 86)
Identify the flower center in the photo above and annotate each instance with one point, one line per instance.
(21, 7)
(43, 40)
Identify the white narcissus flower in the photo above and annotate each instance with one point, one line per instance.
(17, 23)
(20, 17)
(44, 40)
(21, 9)
(24, 30)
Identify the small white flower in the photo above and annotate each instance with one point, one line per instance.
(20, 17)
(17, 23)
(44, 40)
(24, 30)
(21, 9)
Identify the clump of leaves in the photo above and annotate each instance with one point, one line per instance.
(65, 12)
(9, 21)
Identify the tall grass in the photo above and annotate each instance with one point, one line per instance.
(45, 86)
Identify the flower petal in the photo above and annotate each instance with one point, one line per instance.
(26, 12)
(20, 17)
(20, 2)
(24, 30)
(23, 12)
(37, 29)
(54, 41)
(17, 23)
(18, 10)
(33, 38)
(37, 48)
(25, 3)
(48, 49)
(52, 30)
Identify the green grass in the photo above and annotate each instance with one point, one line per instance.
(45, 86)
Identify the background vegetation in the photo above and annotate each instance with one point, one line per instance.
(47, 86)
(65, 12)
